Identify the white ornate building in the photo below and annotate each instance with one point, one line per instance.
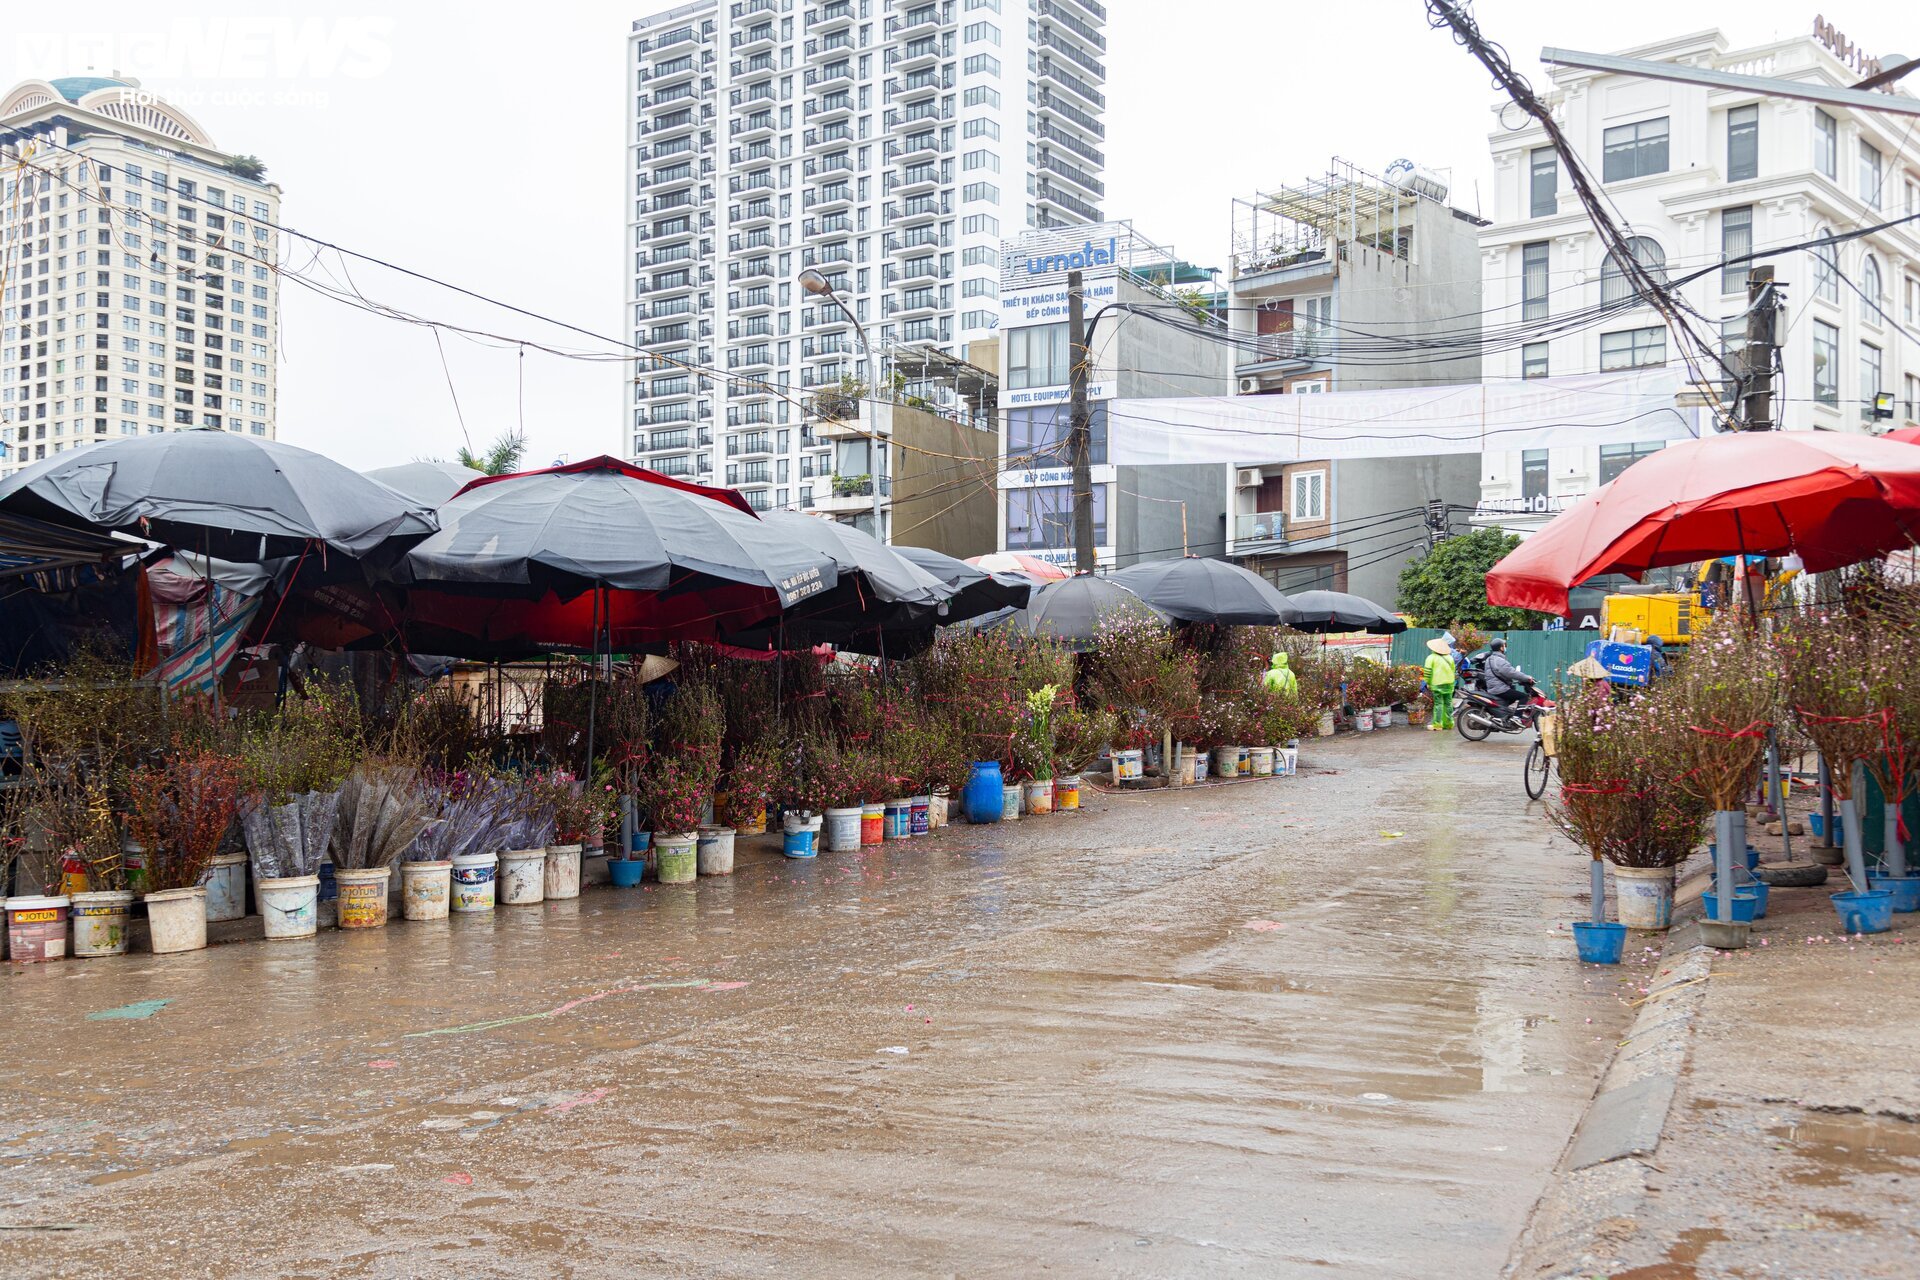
(1699, 175)
(136, 272)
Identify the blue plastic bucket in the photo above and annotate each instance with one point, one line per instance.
(1599, 943)
(1745, 905)
(626, 872)
(1753, 854)
(899, 815)
(1759, 890)
(1905, 890)
(1869, 912)
(982, 795)
(799, 844)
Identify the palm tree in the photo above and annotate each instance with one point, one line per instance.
(499, 458)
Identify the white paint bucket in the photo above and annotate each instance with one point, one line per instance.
(1226, 762)
(563, 871)
(1066, 793)
(1260, 761)
(676, 856)
(1643, 896)
(1363, 719)
(227, 887)
(713, 853)
(843, 830)
(473, 883)
(1325, 728)
(1127, 765)
(424, 889)
(361, 900)
(177, 919)
(523, 877)
(1010, 802)
(1286, 761)
(100, 922)
(937, 810)
(1383, 717)
(1040, 795)
(899, 818)
(290, 908)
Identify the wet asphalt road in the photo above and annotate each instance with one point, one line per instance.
(1234, 1031)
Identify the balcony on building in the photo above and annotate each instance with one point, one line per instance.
(1059, 167)
(828, 226)
(835, 75)
(918, 86)
(679, 467)
(754, 300)
(1048, 11)
(829, 107)
(1055, 75)
(1062, 45)
(751, 359)
(754, 444)
(749, 128)
(920, 114)
(838, 16)
(848, 494)
(923, 209)
(758, 38)
(752, 271)
(914, 304)
(754, 70)
(914, 149)
(921, 20)
(829, 197)
(916, 241)
(824, 319)
(1057, 105)
(1046, 193)
(827, 136)
(919, 55)
(671, 71)
(752, 213)
(676, 177)
(671, 43)
(743, 10)
(834, 45)
(747, 241)
(1256, 517)
(827, 166)
(752, 327)
(667, 125)
(917, 180)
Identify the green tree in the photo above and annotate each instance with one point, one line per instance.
(497, 459)
(1449, 584)
(247, 167)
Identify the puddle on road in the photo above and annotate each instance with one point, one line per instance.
(1682, 1257)
(1839, 1147)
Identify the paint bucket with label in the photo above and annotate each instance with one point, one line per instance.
(289, 907)
(920, 815)
(1261, 761)
(473, 876)
(843, 829)
(100, 922)
(424, 889)
(37, 929)
(714, 850)
(937, 808)
(523, 877)
(1066, 791)
(899, 819)
(177, 920)
(1127, 765)
(1226, 762)
(677, 856)
(563, 871)
(803, 843)
(1010, 806)
(362, 896)
(1039, 795)
(227, 887)
(873, 823)
(1286, 761)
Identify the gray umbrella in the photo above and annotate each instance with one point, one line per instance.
(975, 591)
(236, 497)
(1195, 589)
(1071, 609)
(430, 482)
(1335, 611)
(890, 576)
(603, 523)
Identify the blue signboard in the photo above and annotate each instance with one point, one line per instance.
(1625, 663)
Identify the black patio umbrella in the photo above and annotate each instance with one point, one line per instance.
(976, 592)
(34, 546)
(1197, 589)
(431, 483)
(235, 497)
(1325, 612)
(1071, 609)
(884, 602)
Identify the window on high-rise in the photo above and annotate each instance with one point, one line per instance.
(1872, 368)
(1634, 150)
(1543, 182)
(1533, 360)
(1826, 268)
(1037, 356)
(981, 96)
(1869, 174)
(1736, 242)
(981, 64)
(1616, 285)
(1826, 362)
(1871, 304)
(980, 31)
(1743, 143)
(1633, 348)
(1533, 281)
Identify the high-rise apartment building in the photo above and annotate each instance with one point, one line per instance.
(888, 145)
(136, 271)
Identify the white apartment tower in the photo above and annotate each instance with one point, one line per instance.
(136, 266)
(890, 145)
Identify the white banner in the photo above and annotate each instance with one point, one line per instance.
(1592, 409)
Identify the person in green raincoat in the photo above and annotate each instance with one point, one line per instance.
(1280, 678)
(1440, 678)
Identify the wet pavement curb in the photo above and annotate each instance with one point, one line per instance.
(1604, 1178)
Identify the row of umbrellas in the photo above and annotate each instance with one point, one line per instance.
(591, 554)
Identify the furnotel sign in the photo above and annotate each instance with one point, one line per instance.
(1085, 258)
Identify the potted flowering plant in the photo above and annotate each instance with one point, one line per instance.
(1035, 748)
(180, 811)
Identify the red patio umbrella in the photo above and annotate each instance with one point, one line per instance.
(1018, 562)
(1832, 499)
(1905, 435)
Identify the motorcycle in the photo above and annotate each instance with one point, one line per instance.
(1478, 714)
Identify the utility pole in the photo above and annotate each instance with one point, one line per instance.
(1764, 306)
(1080, 437)
(1436, 522)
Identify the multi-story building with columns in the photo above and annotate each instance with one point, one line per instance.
(1698, 176)
(135, 268)
(887, 145)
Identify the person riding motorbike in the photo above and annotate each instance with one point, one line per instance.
(1499, 677)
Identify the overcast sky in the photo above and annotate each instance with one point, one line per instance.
(484, 143)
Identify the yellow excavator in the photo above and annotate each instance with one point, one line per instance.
(1629, 617)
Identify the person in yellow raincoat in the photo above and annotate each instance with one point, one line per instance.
(1280, 678)
(1440, 678)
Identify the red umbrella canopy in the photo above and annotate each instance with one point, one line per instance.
(1905, 435)
(1018, 562)
(1832, 499)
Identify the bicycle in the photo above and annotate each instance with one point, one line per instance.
(1540, 756)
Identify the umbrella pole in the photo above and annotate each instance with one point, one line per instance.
(593, 683)
(213, 664)
(1826, 801)
(1777, 791)
(1599, 891)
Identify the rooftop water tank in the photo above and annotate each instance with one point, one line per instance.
(1410, 177)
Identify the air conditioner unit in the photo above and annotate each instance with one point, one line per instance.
(1250, 478)
(1249, 386)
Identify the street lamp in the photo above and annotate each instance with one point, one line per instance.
(817, 284)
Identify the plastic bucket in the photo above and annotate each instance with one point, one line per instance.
(1286, 762)
(1243, 762)
(290, 907)
(523, 877)
(1383, 717)
(100, 922)
(873, 823)
(1202, 766)
(1040, 796)
(981, 796)
(1261, 761)
(473, 877)
(1128, 765)
(1066, 791)
(1869, 912)
(626, 872)
(424, 889)
(1753, 854)
(1010, 802)
(800, 844)
(1759, 889)
(227, 887)
(797, 821)
(37, 929)
(1643, 896)
(677, 857)
(1325, 728)
(1905, 891)
(1226, 762)
(1599, 943)
(363, 897)
(713, 851)
(1746, 905)
(937, 810)
(1183, 774)
(563, 872)
(899, 819)
(177, 919)
(1363, 720)
(920, 816)
(843, 829)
